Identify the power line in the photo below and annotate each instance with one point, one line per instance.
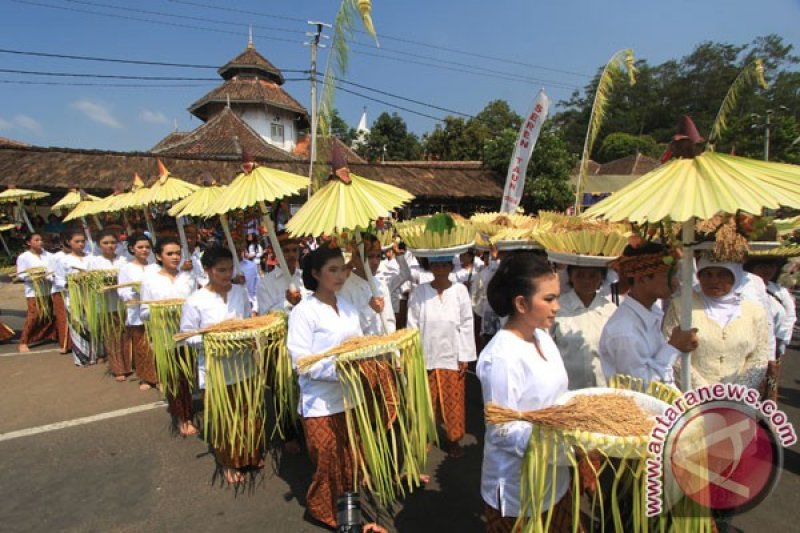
(394, 38)
(121, 85)
(151, 21)
(105, 76)
(393, 106)
(122, 61)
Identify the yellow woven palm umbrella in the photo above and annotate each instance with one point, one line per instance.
(85, 207)
(700, 187)
(169, 189)
(347, 202)
(257, 185)
(71, 199)
(17, 196)
(134, 199)
(199, 204)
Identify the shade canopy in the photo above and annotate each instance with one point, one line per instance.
(199, 203)
(6, 227)
(14, 195)
(84, 208)
(168, 189)
(71, 199)
(339, 206)
(702, 187)
(262, 184)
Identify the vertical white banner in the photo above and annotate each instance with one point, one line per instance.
(526, 140)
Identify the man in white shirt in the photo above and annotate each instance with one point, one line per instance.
(375, 312)
(632, 342)
(274, 291)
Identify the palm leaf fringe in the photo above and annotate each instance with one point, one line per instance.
(752, 74)
(41, 289)
(238, 364)
(548, 447)
(388, 407)
(165, 321)
(622, 60)
(93, 312)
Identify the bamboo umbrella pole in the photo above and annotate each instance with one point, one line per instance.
(88, 234)
(97, 222)
(25, 215)
(687, 280)
(182, 235)
(229, 238)
(373, 287)
(5, 245)
(149, 223)
(276, 247)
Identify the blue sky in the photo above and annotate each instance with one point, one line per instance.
(557, 45)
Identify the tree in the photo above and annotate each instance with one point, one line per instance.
(389, 137)
(340, 129)
(547, 184)
(617, 145)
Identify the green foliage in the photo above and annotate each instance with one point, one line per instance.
(547, 184)
(389, 137)
(696, 85)
(617, 145)
(340, 129)
(439, 223)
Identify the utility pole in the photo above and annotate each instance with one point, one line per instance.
(314, 44)
(767, 125)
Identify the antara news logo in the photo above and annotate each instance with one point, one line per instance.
(718, 445)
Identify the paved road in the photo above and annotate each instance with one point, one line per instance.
(128, 472)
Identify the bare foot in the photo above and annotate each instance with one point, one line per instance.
(292, 447)
(232, 476)
(101, 360)
(120, 379)
(187, 429)
(62, 352)
(145, 386)
(23, 348)
(424, 479)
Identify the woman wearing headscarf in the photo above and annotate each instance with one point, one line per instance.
(732, 330)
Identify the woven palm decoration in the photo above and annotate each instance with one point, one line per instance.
(390, 420)
(612, 427)
(441, 231)
(41, 290)
(93, 312)
(241, 357)
(779, 252)
(164, 323)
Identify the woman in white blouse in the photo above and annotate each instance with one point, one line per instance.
(579, 323)
(84, 349)
(37, 328)
(442, 311)
(318, 323)
(135, 347)
(112, 344)
(220, 300)
(171, 281)
(520, 369)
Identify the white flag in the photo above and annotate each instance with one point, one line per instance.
(526, 140)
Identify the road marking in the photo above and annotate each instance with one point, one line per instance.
(13, 354)
(80, 421)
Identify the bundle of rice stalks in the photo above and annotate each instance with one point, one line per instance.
(164, 323)
(490, 223)
(596, 431)
(729, 243)
(41, 289)
(389, 415)
(243, 357)
(438, 232)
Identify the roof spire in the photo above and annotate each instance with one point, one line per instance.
(250, 38)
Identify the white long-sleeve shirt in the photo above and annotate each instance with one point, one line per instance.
(132, 272)
(271, 291)
(356, 290)
(157, 286)
(754, 289)
(314, 328)
(632, 344)
(577, 331)
(514, 375)
(28, 260)
(68, 264)
(784, 329)
(205, 308)
(55, 265)
(445, 323)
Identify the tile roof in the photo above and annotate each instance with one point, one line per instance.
(173, 138)
(303, 147)
(224, 135)
(632, 165)
(59, 169)
(246, 90)
(250, 60)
